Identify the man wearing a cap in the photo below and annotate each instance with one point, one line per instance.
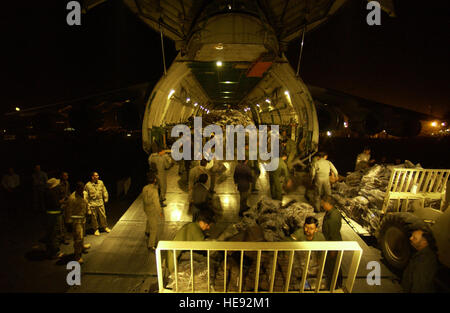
(97, 196)
(77, 209)
(54, 219)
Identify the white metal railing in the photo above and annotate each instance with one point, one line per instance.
(322, 247)
(415, 184)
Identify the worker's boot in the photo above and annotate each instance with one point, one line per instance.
(97, 233)
(107, 230)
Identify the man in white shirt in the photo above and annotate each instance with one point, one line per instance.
(320, 174)
(363, 160)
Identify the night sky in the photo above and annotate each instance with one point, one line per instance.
(404, 62)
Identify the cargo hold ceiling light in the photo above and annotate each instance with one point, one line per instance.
(171, 93)
(228, 82)
(219, 63)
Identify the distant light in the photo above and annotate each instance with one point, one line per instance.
(384, 130)
(128, 100)
(286, 93)
(228, 82)
(226, 92)
(171, 93)
(229, 7)
(345, 124)
(219, 63)
(434, 124)
(443, 124)
(257, 105)
(69, 129)
(219, 46)
(195, 104)
(188, 100)
(328, 133)
(267, 100)
(447, 130)
(17, 109)
(128, 135)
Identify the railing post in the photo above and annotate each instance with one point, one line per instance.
(289, 271)
(241, 270)
(159, 270)
(305, 272)
(337, 267)
(322, 267)
(258, 265)
(353, 271)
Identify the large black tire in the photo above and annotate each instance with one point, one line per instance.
(394, 236)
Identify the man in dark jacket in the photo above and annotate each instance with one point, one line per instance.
(190, 232)
(201, 196)
(419, 275)
(243, 178)
(331, 228)
(53, 219)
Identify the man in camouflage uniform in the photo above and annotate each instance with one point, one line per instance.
(331, 228)
(159, 162)
(276, 177)
(53, 219)
(63, 190)
(153, 211)
(97, 196)
(190, 232)
(76, 210)
(194, 174)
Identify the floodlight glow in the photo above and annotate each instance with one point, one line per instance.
(219, 63)
(434, 124)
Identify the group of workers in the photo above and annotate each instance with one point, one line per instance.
(66, 213)
(201, 190)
